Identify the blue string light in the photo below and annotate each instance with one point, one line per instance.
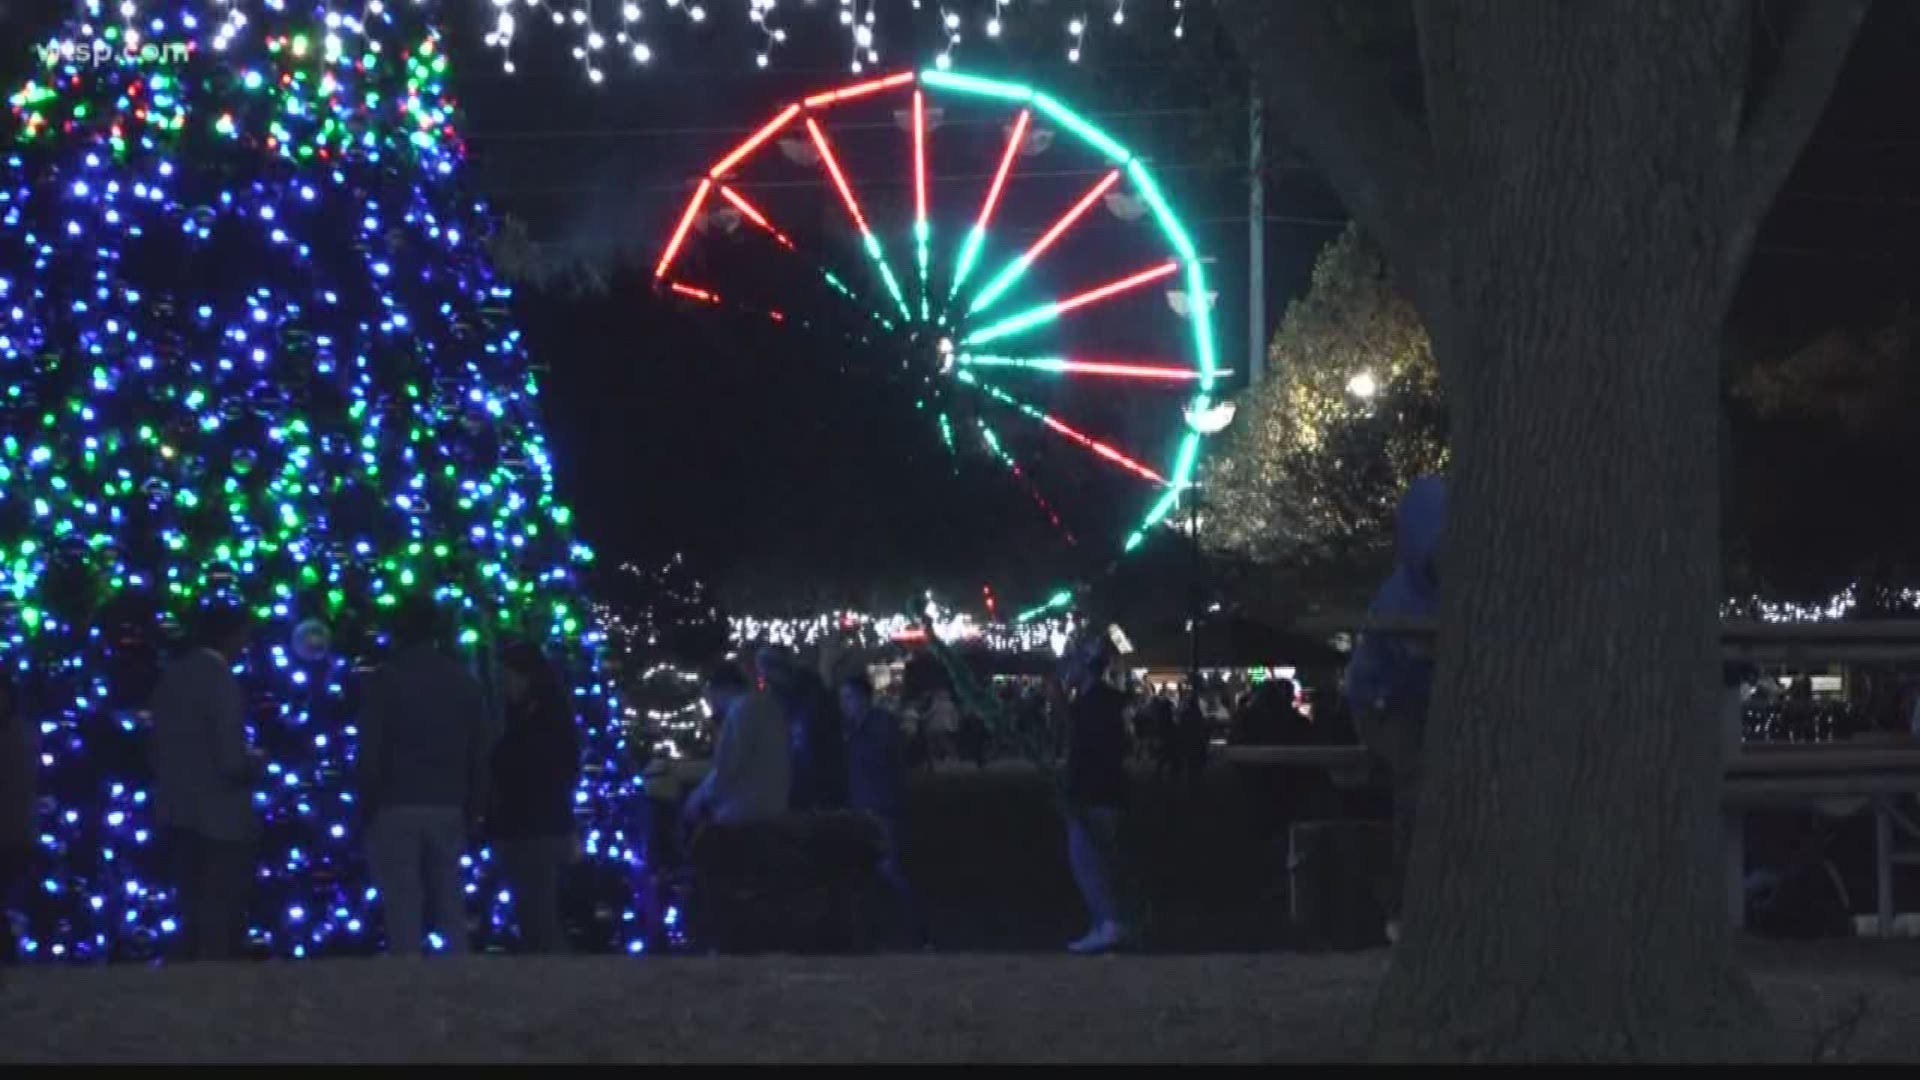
(254, 351)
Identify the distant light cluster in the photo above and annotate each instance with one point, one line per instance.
(1839, 606)
(873, 631)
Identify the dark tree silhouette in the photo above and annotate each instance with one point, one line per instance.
(1570, 193)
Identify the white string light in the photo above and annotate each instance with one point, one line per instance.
(637, 28)
(1838, 606)
(859, 19)
(863, 630)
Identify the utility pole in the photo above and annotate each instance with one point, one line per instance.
(1196, 584)
(1256, 242)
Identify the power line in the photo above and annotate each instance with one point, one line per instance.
(501, 191)
(1106, 226)
(533, 135)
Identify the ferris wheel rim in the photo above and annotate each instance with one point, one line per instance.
(968, 354)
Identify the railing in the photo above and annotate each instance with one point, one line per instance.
(1881, 769)
(1742, 640)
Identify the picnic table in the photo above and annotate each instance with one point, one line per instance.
(1835, 779)
(1879, 771)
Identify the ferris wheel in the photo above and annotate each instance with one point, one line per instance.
(1073, 348)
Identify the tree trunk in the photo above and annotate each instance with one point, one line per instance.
(1565, 897)
(1569, 205)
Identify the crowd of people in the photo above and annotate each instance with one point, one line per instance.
(435, 769)
(788, 745)
(778, 754)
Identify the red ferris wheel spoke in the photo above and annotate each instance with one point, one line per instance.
(753, 141)
(872, 86)
(920, 227)
(1054, 424)
(1063, 365)
(1046, 313)
(867, 238)
(999, 450)
(970, 253)
(680, 230)
(693, 292)
(1009, 274)
(754, 214)
(708, 296)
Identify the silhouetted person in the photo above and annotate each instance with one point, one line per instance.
(1191, 737)
(751, 776)
(1269, 717)
(819, 777)
(536, 767)
(204, 774)
(1800, 690)
(876, 785)
(424, 744)
(975, 741)
(19, 765)
(1097, 790)
(1390, 677)
(1157, 724)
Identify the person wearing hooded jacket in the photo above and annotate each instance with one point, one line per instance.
(1389, 678)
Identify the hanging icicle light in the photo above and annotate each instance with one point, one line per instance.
(859, 19)
(643, 29)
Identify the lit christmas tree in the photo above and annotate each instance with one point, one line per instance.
(253, 351)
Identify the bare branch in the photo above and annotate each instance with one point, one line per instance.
(1784, 113)
(1336, 106)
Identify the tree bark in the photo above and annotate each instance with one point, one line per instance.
(1565, 898)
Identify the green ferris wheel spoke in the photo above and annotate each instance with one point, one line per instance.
(970, 251)
(1046, 313)
(1060, 427)
(868, 240)
(842, 288)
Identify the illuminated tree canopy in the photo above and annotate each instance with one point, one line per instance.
(1351, 411)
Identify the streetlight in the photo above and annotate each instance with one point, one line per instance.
(1363, 385)
(1211, 420)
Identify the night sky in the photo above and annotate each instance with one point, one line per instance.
(794, 475)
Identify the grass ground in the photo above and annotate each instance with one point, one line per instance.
(988, 857)
(989, 863)
(981, 1008)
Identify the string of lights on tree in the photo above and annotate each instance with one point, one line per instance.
(254, 353)
(633, 30)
